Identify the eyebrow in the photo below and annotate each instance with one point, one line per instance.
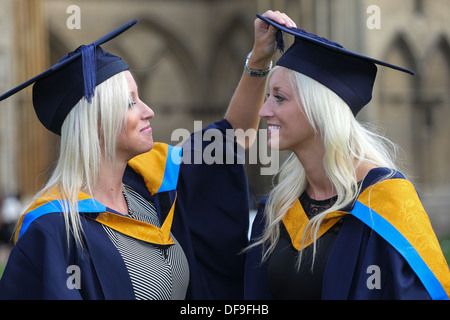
(134, 90)
(277, 89)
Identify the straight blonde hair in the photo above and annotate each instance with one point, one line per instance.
(88, 136)
(347, 143)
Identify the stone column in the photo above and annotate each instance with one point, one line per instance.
(31, 139)
(8, 168)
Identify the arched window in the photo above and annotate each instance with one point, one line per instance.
(435, 110)
(165, 74)
(228, 57)
(397, 95)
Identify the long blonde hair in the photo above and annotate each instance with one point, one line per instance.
(345, 140)
(88, 134)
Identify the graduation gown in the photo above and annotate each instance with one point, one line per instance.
(385, 249)
(193, 203)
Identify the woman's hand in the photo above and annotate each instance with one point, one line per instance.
(264, 46)
(248, 98)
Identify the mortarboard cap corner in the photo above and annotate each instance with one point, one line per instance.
(58, 89)
(67, 59)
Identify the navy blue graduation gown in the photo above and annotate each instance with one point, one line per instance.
(210, 228)
(369, 242)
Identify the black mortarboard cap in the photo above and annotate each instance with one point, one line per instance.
(350, 75)
(57, 90)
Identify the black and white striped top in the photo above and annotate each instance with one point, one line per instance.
(156, 274)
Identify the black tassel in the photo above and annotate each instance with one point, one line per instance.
(280, 41)
(89, 70)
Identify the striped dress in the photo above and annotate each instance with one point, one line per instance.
(156, 274)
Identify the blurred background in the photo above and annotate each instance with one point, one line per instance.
(188, 56)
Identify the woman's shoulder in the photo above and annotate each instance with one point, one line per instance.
(386, 187)
(50, 225)
(379, 174)
(46, 213)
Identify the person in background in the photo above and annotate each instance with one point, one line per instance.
(11, 209)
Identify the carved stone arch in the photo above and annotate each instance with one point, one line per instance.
(232, 44)
(161, 63)
(435, 67)
(397, 93)
(398, 52)
(435, 106)
(165, 74)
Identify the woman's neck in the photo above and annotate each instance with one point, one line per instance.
(318, 186)
(108, 189)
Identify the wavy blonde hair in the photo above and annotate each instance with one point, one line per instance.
(347, 144)
(88, 136)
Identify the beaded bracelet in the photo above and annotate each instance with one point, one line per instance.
(256, 73)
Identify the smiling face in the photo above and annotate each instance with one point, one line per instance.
(289, 129)
(136, 137)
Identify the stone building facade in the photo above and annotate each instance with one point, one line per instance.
(188, 56)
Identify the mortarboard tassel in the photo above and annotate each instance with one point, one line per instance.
(89, 70)
(280, 41)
